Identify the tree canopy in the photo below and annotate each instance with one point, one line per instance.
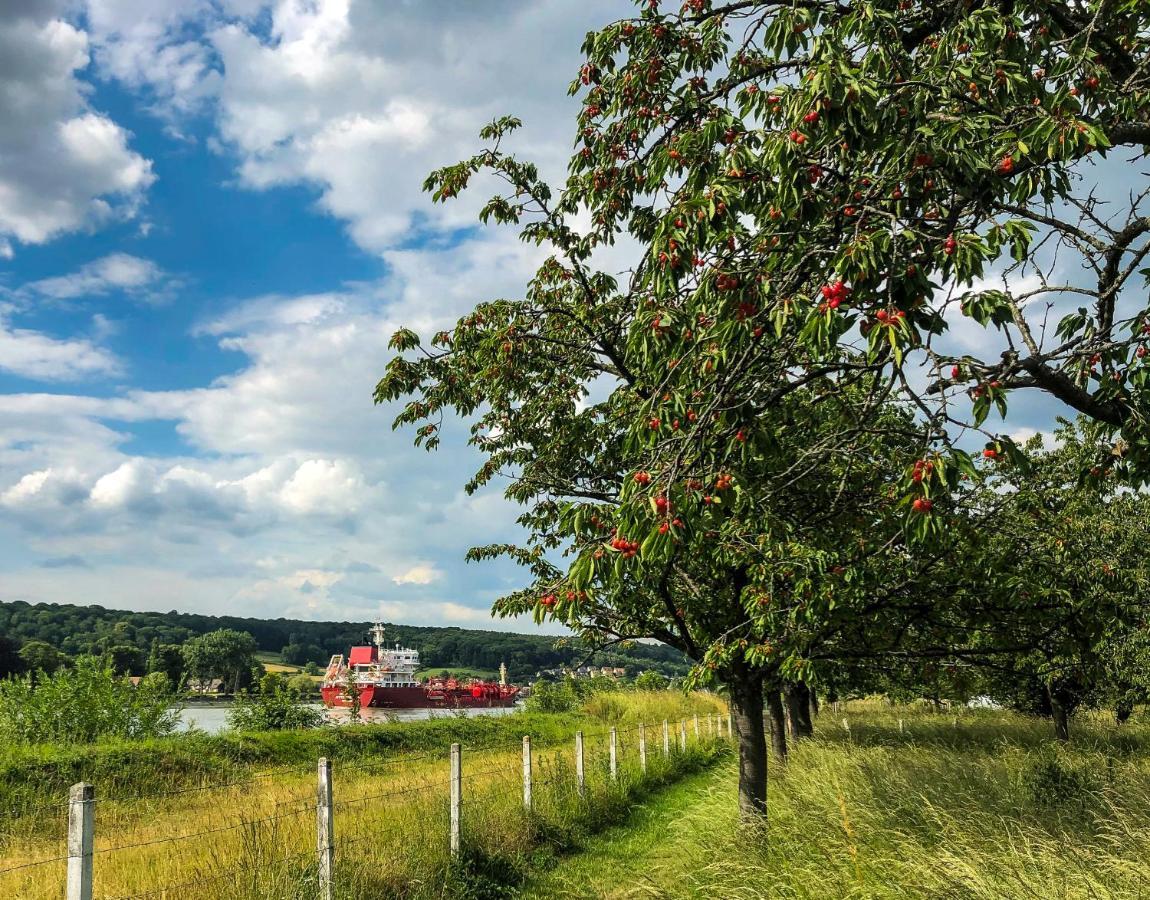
(755, 443)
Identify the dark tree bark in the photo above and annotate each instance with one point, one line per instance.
(814, 706)
(798, 709)
(747, 706)
(806, 726)
(778, 722)
(1060, 714)
(1122, 711)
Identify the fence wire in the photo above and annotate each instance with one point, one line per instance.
(554, 768)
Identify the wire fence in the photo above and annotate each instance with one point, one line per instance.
(374, 822)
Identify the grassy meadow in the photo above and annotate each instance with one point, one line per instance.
(243, 826)
(987, 808)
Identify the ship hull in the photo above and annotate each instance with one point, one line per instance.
(375, 697)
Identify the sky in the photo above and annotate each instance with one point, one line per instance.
(211, 222)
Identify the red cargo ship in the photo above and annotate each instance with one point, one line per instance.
(385, 678)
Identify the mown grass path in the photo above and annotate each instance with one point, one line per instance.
(894, 803)
(646, 855)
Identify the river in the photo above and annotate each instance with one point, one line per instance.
(213, 717)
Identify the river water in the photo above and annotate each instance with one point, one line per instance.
(214, 717)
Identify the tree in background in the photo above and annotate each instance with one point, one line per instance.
(168, 659)
(1075, 556)
(126, 659)
(651, 681)
(225, 654)
(39, 656)
(11, 662)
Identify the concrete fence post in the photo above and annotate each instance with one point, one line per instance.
(80, 841)
(666, 738)
(580, 779)
(614, 756)
(710, 726)
(456, 799)
(325, 829)
(527, 772)
(696, 727)
(642, 748)
(900, 726)
(730, 730)
(683, 735)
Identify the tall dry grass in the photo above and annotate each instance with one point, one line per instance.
(256, 838)
(985, 807)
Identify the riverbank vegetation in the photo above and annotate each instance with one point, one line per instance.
(233, 808)
(33, 774)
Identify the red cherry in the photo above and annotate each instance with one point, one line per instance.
(922, 505)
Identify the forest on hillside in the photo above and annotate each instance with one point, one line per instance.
(76, 630)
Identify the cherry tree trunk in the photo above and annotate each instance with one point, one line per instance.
(1060, 715)
(798, 710)
(747, 707)
(778, 722)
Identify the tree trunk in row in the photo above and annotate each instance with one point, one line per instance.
(778, 723)
(747, 710)
(1060, 715)
(797, 698)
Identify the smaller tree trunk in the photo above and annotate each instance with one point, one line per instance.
(796, 700)
(1122, 711)
(805, 725)
(1060, 715)
(778, 722)
(814, 705)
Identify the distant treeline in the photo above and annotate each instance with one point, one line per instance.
(76, 630)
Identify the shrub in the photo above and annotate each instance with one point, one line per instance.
(84, 704)
(278, 709)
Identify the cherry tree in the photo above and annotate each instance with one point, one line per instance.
(753, 442)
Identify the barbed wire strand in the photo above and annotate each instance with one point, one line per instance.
(29, 865)
(184, 837)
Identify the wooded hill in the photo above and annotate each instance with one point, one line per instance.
(94, 629)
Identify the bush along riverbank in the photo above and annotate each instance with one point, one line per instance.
(255, 835)
(34, 775)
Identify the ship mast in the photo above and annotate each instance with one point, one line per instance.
(376, 633)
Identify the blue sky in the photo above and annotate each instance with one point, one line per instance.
(210, 223)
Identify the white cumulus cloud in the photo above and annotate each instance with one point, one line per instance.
(63, 165)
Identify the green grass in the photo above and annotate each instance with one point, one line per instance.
(987, 809)
(458, 672)
(390, 785)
